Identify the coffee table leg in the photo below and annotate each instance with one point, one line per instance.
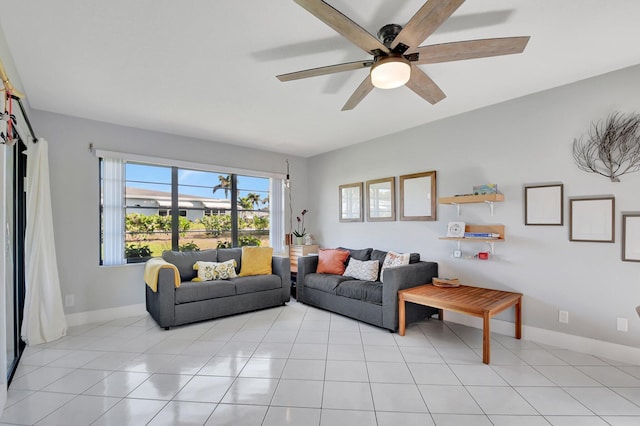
(486, 338)
(519, 318)
(401, 315)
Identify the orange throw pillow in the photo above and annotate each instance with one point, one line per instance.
(331, 261)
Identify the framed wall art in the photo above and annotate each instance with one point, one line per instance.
(350, 199)
(418, 196)
(543, 205)
(592, 219)
(381, 199)
(631, 237)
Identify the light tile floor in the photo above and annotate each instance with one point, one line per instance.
(297, 365)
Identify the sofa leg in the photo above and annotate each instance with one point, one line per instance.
(167, 328)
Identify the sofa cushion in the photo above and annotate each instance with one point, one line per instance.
(367, 291)
(256, 283)
(324, 282)
(331, 261)
(231, 253)
(359, 254)
(208, 271)
(256, 261)
(362, 270)
(184, 261)
(196, 291)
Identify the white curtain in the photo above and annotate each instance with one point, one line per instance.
(276, 201)
(44, 319)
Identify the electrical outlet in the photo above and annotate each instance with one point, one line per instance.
(69, 300)
(563, 317)
(623, 324)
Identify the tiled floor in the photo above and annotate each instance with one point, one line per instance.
(297, 365)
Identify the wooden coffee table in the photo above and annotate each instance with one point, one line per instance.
(476, 301)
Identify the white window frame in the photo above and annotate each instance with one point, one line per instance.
(116, 224)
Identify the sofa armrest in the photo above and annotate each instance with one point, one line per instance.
(161, 303)
(281, 267)
(306, 265)
(399, 278)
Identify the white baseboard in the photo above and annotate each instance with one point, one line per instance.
(599, 348)
(101, 315)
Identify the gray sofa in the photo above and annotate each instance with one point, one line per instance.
(198, 301)
(372, 302)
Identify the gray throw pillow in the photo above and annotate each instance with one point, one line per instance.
(231, 253)
(184, 261)
(359, 254)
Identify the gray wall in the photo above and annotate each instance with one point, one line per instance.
(524, 141)
(75, 197)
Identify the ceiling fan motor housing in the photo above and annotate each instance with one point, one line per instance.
(388, 33)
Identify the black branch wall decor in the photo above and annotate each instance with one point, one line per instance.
(611, 148)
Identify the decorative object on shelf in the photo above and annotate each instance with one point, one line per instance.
(381, 199)
(631, 238)
(543, 204)
(418, 196)
(446, 282)
(308, 240)
(350, 199)
(482, 235)
(592, 219)
(489, 188)
(301, 231)
(455, 229)
(611, 148)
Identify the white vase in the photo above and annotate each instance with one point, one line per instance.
(299, 240)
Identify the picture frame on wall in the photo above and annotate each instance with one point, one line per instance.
(631, 237)
(381, 199)
(350, 202)
(543, 204)
(591, 219)
(418, 196)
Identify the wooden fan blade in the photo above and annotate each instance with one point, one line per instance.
(470, 49)
(330, 69)
(363, 90)
(426, 88)
(343, 25)
(426, 20)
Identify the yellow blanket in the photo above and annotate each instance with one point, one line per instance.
(152, 270)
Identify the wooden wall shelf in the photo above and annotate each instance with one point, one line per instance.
(472, 199)
(468, 199)
(496, 229)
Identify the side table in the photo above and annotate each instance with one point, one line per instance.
(296, 251)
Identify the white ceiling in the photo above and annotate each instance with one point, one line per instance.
(206, 68)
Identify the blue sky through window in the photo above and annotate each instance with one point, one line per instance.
(191, 182)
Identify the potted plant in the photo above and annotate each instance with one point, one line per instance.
(301, 231)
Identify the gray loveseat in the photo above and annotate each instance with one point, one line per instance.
(198, 301)
(372, 302)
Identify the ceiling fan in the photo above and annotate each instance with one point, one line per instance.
(396, 51)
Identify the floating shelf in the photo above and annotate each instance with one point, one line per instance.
(471, 199)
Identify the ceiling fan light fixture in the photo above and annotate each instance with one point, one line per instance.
(390, 72)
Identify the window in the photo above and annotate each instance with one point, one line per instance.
(138, 202)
